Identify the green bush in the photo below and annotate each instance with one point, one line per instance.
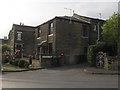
(23, 64)
(119, 48)
(26, 65)
(5, 50)
(6, 47)
(91, 55)
(1, 48)
(11, 61)
(5, 59)
(19, 62)
(15, 62)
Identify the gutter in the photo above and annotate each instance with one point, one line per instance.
(98, 33)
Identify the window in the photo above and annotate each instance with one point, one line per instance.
(39, 32)
(19, 37)
(44, 50)
(50, 48)
(51, 28)
(95, 28)
(102, 27)
(85, 30)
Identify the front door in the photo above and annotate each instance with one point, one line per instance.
(18, 51)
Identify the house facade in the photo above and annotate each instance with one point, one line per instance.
(63, 35)
(22, 41)
(69, 36)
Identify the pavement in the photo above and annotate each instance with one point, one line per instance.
(22, 70)
(94, 70)
(84, 67)
(35, 66)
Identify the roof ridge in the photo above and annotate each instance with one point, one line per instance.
(23, 25)
(72, 18)
(88, 17)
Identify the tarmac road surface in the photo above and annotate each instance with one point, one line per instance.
(60, 77)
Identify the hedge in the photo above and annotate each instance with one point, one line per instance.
(91, 55)
(15, 62)
(118, 48)
(23, 64)
(19, 62)
(5, 50)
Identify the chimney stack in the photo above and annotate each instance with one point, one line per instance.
(21, 24)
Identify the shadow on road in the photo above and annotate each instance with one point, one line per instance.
(68, 67)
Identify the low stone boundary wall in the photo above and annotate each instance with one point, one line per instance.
(50, 61)
(46, 62)
(111, 62)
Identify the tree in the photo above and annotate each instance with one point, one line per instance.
(111, 32)
(5, 49)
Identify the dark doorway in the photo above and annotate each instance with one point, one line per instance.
(50, 48)
(18, 51)
(38, 52)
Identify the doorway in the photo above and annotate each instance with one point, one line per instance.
(18, 51)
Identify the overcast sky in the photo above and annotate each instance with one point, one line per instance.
(35, 12)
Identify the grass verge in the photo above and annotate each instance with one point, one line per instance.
(9, 67)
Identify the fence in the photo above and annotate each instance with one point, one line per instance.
(107, 62)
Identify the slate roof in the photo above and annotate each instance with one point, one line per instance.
(23, 27)
(90, 17)
(73, 19)
(16, 25)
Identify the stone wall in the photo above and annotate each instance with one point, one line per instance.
(111, 62)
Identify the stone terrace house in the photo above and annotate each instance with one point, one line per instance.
(22, 40)
(67, 35)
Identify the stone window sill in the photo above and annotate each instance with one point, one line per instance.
(39, 38)
(50, 35)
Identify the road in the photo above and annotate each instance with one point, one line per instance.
(0, 80)
(60, 77)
